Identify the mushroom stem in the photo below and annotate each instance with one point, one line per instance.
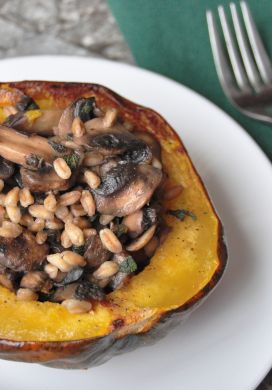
(17, 147)
(35, 121)
(126, 189)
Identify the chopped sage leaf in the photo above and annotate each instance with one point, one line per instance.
(59, 148)
(181, 214)
(72, 160)
(128, 265)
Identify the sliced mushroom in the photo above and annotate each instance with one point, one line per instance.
(138, 152)
(150, 141)
(95, 253)
(24, 150)
(82, 108)
(117, 142)
(110, 143)
(134, 223)
(126, 189)
(140, 221)
(150, 216)
(120, 143)
(142, 241)
(22, 253)
(40, 122)
(103, 169)
(6, 168)
(44, 180)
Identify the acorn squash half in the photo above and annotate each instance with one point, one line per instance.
(183, 271)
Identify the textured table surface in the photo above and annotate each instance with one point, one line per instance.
(73, 27)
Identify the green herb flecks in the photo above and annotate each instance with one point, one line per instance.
(59, 148)
(72, 160)
(181, 214)
(128, 265)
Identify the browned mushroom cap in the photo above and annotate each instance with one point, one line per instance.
(95, 253)
(6, 168)
(44, 180)
(22, 253)
(39, 121)
(23, 149)
(111, 143)
(103, 169)
(82, 108)
(150, 141)
(126, 189)
(121, 143)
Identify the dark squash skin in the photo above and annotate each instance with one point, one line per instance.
(94, 351)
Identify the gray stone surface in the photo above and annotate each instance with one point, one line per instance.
(74, 27)
(78, 27)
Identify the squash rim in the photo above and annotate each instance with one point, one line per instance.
(42, 87)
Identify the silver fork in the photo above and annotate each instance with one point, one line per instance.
(245, 73)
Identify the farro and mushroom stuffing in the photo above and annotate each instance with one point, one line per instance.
(80, 209)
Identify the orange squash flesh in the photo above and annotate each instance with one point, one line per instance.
(182, 272)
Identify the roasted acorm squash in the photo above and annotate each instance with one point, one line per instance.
(183, 271)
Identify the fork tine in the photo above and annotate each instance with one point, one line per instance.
(251, 69)
(235, 60)
(223, 69)
(261, 57)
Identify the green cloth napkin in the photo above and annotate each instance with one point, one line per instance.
(170, 37)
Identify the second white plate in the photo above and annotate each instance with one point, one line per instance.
(226, 343)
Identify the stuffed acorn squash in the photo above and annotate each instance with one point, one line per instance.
(107, 236)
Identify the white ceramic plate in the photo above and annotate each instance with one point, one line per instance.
(226, 343)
